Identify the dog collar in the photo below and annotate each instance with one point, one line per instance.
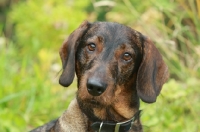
(115, 127)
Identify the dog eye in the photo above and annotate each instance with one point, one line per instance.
(91, 46)
(127, 57)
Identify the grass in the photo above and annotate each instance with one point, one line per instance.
(174, 110)
(28, 97)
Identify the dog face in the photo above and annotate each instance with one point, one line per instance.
(115, 66)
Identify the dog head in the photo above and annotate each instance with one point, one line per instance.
(115, 66)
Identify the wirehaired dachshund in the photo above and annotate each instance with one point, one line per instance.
(115, 66)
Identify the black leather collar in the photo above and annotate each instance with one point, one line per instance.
(115, 127)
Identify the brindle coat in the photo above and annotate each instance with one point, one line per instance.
(115, 66)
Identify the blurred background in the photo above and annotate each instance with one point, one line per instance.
(32, 31)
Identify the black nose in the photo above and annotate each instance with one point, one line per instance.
(95, 87)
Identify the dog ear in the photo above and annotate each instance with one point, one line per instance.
(67, 54)
(152, 73)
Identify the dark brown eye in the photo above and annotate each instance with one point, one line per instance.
(91, 47)
(127, 57)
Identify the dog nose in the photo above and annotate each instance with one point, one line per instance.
(95, 87)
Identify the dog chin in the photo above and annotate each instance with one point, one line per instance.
(87, 107)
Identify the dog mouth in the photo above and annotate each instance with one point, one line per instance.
(94, 103)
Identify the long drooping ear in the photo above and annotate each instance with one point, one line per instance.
(67, 54)
(152, 73)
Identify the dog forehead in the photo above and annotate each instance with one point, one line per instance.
(108, 29)
(115, 34)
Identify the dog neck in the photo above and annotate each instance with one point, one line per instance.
(110, 126)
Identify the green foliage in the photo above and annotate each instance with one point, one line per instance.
(45, 23)
(27, 95)
(29, 65)
(174, 110)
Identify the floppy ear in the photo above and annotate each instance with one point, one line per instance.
(67, 54)
(152, 73)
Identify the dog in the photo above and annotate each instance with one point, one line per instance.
(116, 66)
